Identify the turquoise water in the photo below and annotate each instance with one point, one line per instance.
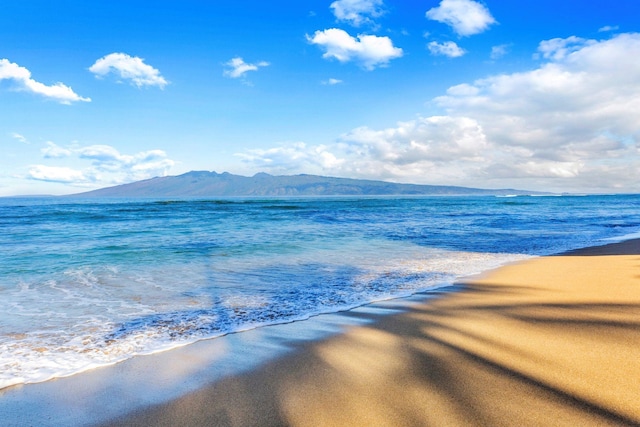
(86, 282)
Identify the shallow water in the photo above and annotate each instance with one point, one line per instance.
(86, 283)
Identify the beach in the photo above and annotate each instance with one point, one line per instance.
(549, 341)
(359, 213)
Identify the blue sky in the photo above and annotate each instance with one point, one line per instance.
(538, 95)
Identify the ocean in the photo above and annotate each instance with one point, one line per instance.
(92, 282)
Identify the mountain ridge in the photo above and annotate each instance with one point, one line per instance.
(213, 184)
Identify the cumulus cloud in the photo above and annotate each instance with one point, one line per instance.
(131, 68)
(59, 174)
(236, 67)
(570, 124)
(425, 147)
(292, 157)
(357, 12)
(107, 166)
(559, 48)
(466, 17)
(129, 167)
(575, 116)
(21, 77)
(598, 80)
(449, 49)
(427, 141)
(54, 151)
(370, 51)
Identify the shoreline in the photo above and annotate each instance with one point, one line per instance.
(551, 340)
(161, 377)
(499, 348)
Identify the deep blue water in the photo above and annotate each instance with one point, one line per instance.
(87, 282)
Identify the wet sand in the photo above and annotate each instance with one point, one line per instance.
(550, 341)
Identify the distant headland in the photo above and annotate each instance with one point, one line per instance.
(212, 184)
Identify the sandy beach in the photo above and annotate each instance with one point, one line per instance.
(550, 341)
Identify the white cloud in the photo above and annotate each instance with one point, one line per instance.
(292, 157)
(574, 117)
(130, 68)
(54, 151)
(370, 51)
(238, 68)
(107, 165)
(572, 124)
(431, 140)
(466, 17)
(22, 78)
(499, 51)
(426, 148)
(463, 89)
(101, 154)
(332, 82)
(607, 28)
(20, 138)
(558, 48)
(130, 167)
(357, 12)
(449, 49)
(59, 174)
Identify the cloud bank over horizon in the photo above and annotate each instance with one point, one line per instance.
(542, 128)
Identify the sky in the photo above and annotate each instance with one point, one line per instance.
(540, 95)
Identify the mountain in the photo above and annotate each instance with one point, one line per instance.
(212, 184)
